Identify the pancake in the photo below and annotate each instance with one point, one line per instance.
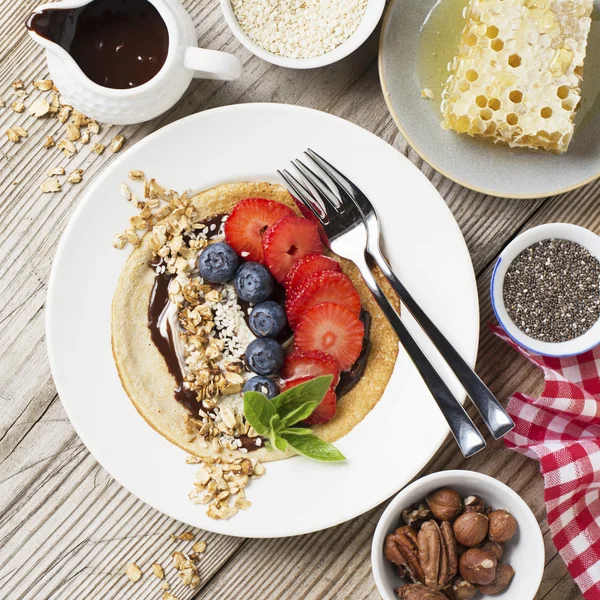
(144, 372)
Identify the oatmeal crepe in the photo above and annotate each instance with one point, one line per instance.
(144, 372)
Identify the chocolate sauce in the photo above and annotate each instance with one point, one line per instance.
(250, 443)
(118, 44)
(348, 379)
(159, 299)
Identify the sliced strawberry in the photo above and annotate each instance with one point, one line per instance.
(288, 240)
(310, 364)
(332, 329)
(326, 409)
(307, 265)
(247, 223)
(325, 286)
(309, 215)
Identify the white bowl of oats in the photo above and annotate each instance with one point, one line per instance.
(302, 34)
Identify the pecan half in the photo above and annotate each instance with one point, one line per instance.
(401, 549)
(437, 554)
(431, 554)
(451, 550)
(417, 591)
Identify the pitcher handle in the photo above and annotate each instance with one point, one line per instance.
(212, 64)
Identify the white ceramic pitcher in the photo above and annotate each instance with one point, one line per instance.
(126, 106)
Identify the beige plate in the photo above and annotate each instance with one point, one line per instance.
(478, 164)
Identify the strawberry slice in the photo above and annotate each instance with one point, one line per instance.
(288, 240)
(307, 213)
(326, 409)
(310, 364)
(307, 265)
(325, 286)
(332, 329)
(247, 223)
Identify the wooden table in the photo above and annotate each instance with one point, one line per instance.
(66, 528)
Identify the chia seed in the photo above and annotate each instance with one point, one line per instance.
(552, 290)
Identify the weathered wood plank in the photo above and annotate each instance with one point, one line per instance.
(66, 528)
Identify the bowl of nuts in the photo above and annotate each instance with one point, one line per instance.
(457, 535)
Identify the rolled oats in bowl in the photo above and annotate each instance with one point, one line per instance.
(299, 28)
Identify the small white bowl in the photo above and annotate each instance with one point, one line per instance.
(525, 552)
(367, 24)
(563, 231)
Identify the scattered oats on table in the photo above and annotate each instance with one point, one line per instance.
(75, 176)
(52, 184)
(133, 572)
(158, 570)
(117, 143)
(55, 171)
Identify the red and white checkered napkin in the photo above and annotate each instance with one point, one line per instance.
(561, 429)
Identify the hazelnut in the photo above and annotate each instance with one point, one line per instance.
(495, 548)
(478, 566)
(473, 504)
(502, 526)
(504, 575)
(444, 504)
(470, 529)
(460, 589)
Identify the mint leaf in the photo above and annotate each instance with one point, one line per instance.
(311, 446)
(279, 443)
(259, 412)
(297, 403)
(275, 423)
(276, 441)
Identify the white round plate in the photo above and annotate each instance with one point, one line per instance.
(241, 143)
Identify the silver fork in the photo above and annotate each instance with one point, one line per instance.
(345, 228)
(492, 413)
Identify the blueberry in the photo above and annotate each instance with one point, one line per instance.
(264, 356)
(253, 282)
(267, 319)
(261, 384)
(217, 263)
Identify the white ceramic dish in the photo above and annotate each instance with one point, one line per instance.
(144, 102)
(565, 231)
(478, 164)
(525, 552)
(367, 25)
(241, 143)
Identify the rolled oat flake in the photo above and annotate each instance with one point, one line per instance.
(552, 290)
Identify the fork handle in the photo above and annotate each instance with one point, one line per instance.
(492, 412)
(467, 436)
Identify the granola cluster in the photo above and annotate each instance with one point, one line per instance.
(220, 484)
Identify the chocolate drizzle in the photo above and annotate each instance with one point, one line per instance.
(159, 299)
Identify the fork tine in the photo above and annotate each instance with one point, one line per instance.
(301, 193)
(333, 173)
(326, 195)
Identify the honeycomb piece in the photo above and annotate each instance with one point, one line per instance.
(518, 71)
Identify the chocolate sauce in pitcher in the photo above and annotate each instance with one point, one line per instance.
(118, 44)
